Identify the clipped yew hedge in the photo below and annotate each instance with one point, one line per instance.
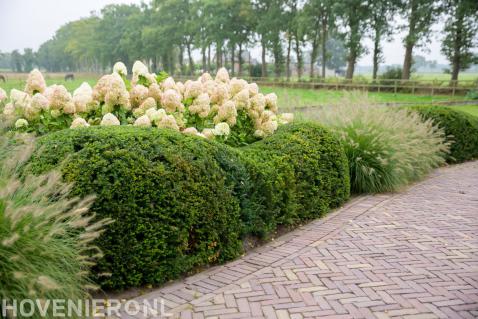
(181, 201)
(461, 129)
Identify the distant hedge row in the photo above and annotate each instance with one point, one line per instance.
(181, 201)
(461, 129)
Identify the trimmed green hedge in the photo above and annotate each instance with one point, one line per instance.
(460, 127)
(298, 173)
(181, 201)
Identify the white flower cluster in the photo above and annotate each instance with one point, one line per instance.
(206, 107)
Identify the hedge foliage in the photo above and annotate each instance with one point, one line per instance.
(181, 201)
(461, 130)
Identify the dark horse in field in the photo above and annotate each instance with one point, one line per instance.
(69, 76)
(2, 78)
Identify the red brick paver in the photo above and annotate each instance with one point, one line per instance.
(412, 254)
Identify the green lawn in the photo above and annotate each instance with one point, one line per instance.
(296, 98)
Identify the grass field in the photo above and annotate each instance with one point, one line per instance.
(289, 98)
(296, 98)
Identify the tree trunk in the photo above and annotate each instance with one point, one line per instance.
(407, 62)
(240, 60)
(313, 56)
(289, 45)
(233, 58)
(457, 45)
(181, 60)
(299, 57)
(351, 64)
(218, 57)
(191, 61)
(263, 60)
(209, 58)
(376, 53)
(204, 60)
(324, 44)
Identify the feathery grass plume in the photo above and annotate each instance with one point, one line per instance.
(387, 147)
(43, 251)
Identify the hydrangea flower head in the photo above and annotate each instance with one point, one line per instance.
(222, 129)
(21, 123)
(3, 95)
(120, 68)
(143, 121)
(83, 97)
(79, 122)
(35, 82)
(222, 75)
(109, 119)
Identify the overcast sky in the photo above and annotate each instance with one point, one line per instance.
(29, 23)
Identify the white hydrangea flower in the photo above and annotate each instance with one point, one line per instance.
(192, 89)
(168, 121)
(138, 112)
(269, 127)
(35, 82)
(143, 121)
(3, 95)
(171, 101)
(242, 99)
(286, 118)
(220, 93)
(58, 96)
(116, 93)
(138, 94)
(191, 131)
(30, 113)
(180, 87)
(9, 109)
(19, 99)
(258, 102)
(120, 68)
(253, 89)
(69, 108)
(155, 92)
(201, 105)
(222, 129)
(40, 102)
(21, 123)
(79, 122)
(139, 69)
(271, 102)
(109, 120)
(259, 133)
(208, 133)
(237, 85)
(222, 75)
(148, 103)
(226, 112)
(168, 84)
(205, 77)
(83, 97)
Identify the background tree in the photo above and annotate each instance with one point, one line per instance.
(461, 29)
(355, 18)
(320, 16)
(381, 18)
(420, 16)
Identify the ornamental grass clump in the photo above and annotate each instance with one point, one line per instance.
(46, 237)
(387, 148)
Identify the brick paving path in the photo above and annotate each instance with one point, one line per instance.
(408, 255)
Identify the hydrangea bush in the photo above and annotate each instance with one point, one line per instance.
(221, 108)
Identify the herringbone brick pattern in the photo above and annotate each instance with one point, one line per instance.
(408, 255)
